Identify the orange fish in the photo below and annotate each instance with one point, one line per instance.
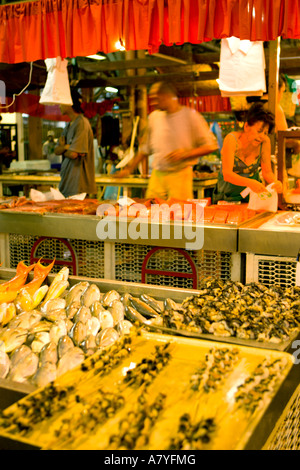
(9, 288)
(39, 275)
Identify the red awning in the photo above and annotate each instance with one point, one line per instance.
(43, 29)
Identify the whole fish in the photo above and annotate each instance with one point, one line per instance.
(74, 294)
(96, 308)
(134, 316)
(55, 315)
(155, 304)
(49, 353)
(25, 368)
(57, 330)
(13, 338)
(28, 301)
(107, 337)
(89, 345)
(9, 289)
(19, 353)
(72, 309)
(78, 333)
(44, 375)
(69, 360)
(91, 295)
(106, 319)
(53, 304)
(124, 327)
(83, 314)
(25, 320)
(117, 311)
(40, 340)
(109, 297)
(4, 364)
(142, 307)
(7, 312)
(93, 326)
(64, 344)
(56, 290)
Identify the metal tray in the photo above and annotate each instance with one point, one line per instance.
(185, 355)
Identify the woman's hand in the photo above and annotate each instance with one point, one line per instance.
(277, 185)
(257, 187)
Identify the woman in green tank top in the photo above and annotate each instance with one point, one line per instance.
(246, 156)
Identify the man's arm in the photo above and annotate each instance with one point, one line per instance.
(128, 169)
(63, 149)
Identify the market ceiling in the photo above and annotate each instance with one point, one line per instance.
(194, 69)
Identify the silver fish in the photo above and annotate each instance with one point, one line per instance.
(72, 309)
(155, 304)
(68, 361)
(124, 327)
(93, 326)
(145, 309)
(107, 337)
(55, 315)
(74, 294)
(57, 330)
(83, 315)
(78, 333)
(91, 295)
(117, 311)
(24, 368)
(53, 304)
(97, 308)
(44, 375)
(89, 345)
(13, 338)
(134, 316)
(106, 320)
(49, 353)
(19, 353)
(4, 364)
(64, 344)
(25, 320)
(109, 297)
(40, 340)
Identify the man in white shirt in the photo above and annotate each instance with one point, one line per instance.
(176, 137)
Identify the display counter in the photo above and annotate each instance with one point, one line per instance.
(169, 258)
(272, 247)
(102, 181)
(266, 425)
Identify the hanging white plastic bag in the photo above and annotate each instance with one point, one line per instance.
(57, 87)
(265, 201)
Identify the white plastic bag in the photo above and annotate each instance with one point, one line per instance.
(265, 201)
(57, 87)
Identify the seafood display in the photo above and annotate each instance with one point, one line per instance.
(48, 330)
(137, 401)
(231, 309)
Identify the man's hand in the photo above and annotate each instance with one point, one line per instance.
(122, 173)
(177, 155)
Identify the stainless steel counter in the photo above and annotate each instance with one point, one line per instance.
(85, 227)
(268, 237)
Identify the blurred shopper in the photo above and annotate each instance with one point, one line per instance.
(176, 137)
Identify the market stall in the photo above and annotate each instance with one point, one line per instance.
(243, 375)
(256, 388)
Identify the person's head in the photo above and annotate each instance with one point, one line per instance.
(50, 136)
(259, 123)
(163, 96)
(282, 85)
